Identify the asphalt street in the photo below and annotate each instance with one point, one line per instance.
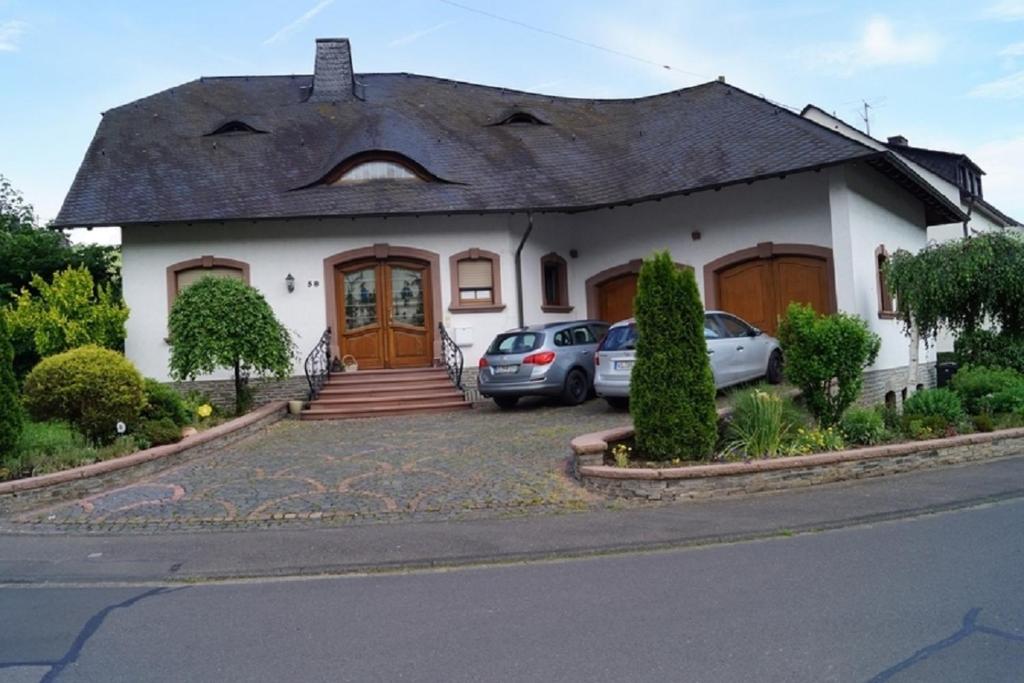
(936, 598)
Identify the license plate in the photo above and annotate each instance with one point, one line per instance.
(505, 369)
(623, 365)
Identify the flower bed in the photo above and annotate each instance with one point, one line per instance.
(703, 480)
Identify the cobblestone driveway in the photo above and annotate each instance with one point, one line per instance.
(478, 462)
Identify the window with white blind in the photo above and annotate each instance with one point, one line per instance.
(476, 281)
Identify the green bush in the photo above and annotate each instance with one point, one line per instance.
(890, 416)
(159, 432)
(983, 423)
(974, 384)
(1009, 400)
(815, 440)
(164, 402)
(70, 312)
(935, 409)
(864, 426)
(672, 391)
(11, 417)
(46, 447)
(825, 357)
(758, 426)
(991, 349)
(90, 387)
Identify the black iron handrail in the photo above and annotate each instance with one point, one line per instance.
(451, 355)
(318, 364)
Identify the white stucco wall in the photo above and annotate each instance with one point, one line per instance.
(793, 210)
(868, 212)
(274, 249)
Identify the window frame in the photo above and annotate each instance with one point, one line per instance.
(886, 299)
(201, 263)
(457, 304)
(562, 305)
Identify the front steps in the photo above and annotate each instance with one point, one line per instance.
(373, 393)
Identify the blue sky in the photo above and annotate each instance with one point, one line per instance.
(947, 75)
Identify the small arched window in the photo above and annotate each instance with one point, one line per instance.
(380, 169)
(520, 118)
(376, 165)
(886, 301)
(554, 284)
(476, 281)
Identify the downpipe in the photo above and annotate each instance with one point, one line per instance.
(519, 268)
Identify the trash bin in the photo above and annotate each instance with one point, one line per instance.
(944, 373)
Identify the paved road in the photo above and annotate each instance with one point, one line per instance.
(935, 598)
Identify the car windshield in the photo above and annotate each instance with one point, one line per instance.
(620, 339)
(516, 342)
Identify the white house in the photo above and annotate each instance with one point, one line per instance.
(380, 205)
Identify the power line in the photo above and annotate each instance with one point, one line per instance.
(562, 36)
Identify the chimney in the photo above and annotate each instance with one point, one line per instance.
(898, 140)
(332, 75)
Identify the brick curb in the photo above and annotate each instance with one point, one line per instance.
(700, 481)
(262, 416)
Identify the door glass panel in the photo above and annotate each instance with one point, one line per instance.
(360, 298)
(407, 296)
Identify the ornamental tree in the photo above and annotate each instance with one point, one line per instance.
(68, 313)
(825, 358)
(672, 390)
(225, 323)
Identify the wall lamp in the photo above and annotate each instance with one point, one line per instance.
(289, 281)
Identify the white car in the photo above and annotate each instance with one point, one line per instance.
(739, 352)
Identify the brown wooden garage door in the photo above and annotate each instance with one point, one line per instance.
(615, 298)
(760, 290)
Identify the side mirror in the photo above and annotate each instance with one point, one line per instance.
(755, 332)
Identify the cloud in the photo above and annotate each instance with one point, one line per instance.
(1006, 10)
(1004, 174)
(1015, 50)
(877, 46)
(410, 38)
(1006, 88)
(294, 26)
(10, 34)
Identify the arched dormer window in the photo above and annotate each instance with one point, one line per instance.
(520, 118)
(234, 127)
(370, 166)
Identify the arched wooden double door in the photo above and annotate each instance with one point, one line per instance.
(760, 290)
(384, 312)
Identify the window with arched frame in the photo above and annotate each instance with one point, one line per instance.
(184, 273)
(886, 301)
(476, 281)
(554, 273)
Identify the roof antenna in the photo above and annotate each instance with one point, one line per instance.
(867, 117)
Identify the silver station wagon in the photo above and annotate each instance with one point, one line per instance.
(739, 352)
(555, 359)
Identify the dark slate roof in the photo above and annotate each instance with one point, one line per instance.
(153, 161)
(942, 164)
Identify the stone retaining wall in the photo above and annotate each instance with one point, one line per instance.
(706, 481)
(222, 391)
(878, 383)
(22, 494)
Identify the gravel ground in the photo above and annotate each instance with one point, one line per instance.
(482, 462)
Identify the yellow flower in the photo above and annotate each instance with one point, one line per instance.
(205, 410)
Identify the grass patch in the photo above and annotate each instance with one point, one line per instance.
(46, 447)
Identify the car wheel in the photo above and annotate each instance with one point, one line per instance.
(617, 402)
(575, 390)
(774, 372)
(506, 402)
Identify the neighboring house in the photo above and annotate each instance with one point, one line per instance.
(395, 202)
(953, 174)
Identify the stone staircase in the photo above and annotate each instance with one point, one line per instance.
(372, 393)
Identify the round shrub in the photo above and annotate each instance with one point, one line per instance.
(164, 402)
(863, 426)
(90, 387)
(159, 432)
(976, 384)
(934, 408)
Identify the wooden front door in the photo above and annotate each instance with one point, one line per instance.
(759, 291)
(384, 311)
(615, 298)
